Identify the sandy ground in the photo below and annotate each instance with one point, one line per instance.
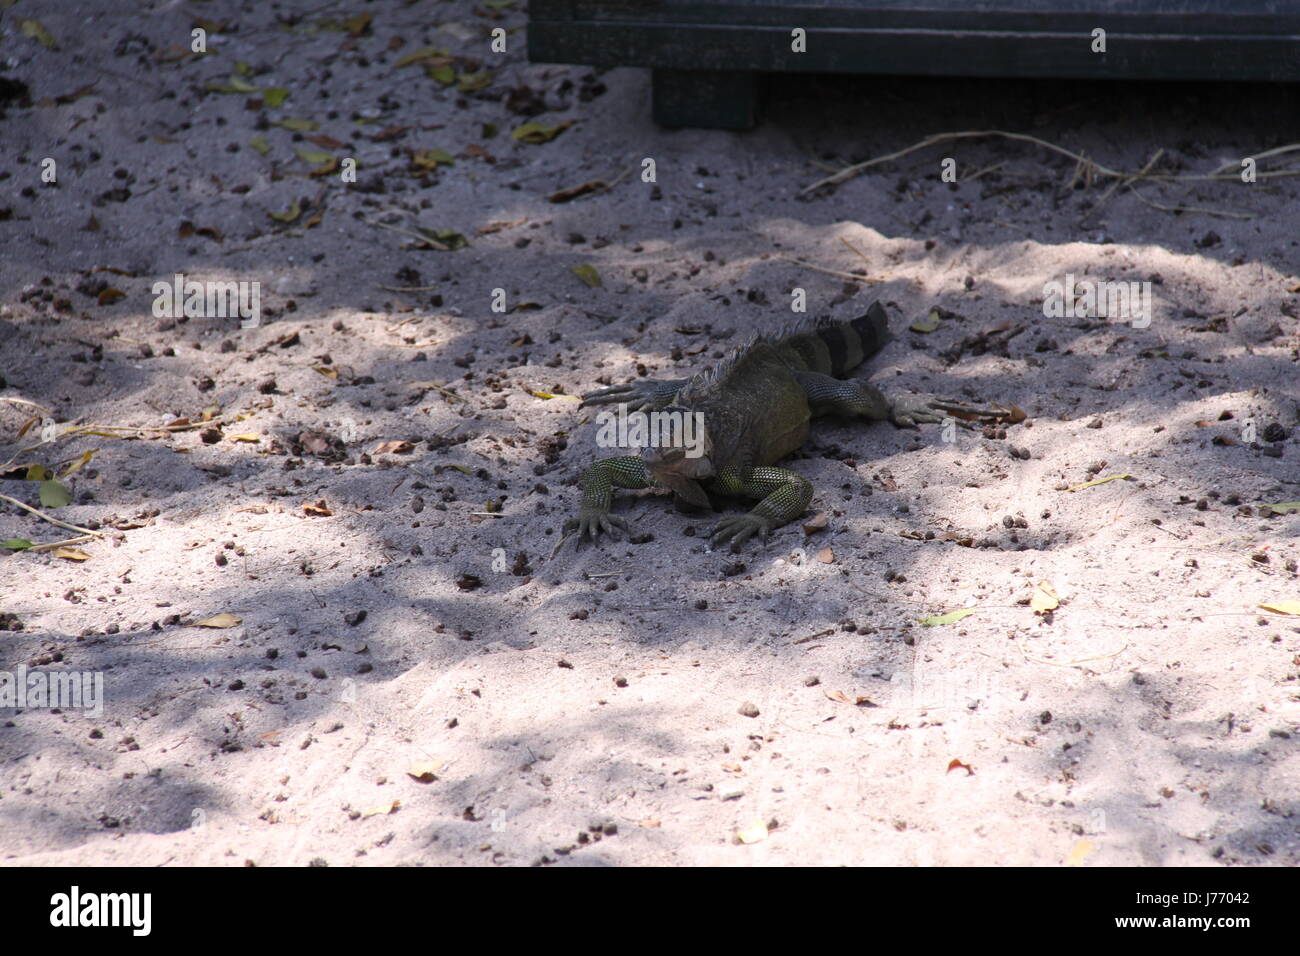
(415, 675)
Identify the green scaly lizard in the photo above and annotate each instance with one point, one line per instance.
(755, 408)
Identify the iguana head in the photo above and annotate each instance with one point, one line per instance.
(681, 467)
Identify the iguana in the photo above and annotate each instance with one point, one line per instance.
(755, 408)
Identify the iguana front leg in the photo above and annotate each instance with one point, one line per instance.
(646, 395)
(854, 398)
(784, 495)
(598, 484)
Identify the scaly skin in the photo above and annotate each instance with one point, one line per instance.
(755, 407)
(784, 495)
(647, 395)
(598, 484)
(854, 398)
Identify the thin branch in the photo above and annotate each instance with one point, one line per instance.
(1091, 167)
(1124, 182)
(1209, 212)
(850, 171)
(852, 248)
(50, 546)
(433, 243)
(832, 272)
(53, 521)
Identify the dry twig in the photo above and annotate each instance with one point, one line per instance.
(1088, 167)
(53, 521)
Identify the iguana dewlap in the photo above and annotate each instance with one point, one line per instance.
(755, 407)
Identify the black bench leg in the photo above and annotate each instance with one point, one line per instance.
(712, 99)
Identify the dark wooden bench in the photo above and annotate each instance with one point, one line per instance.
(706, 56)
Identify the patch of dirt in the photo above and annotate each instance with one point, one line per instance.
(367, 483)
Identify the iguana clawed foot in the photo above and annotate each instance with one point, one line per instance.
(647, 395)
(908, 411)
(738, 529)
(589, 525)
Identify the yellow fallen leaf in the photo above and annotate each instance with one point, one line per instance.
(236, 84)
(36, 31)
(471, 82)
(550, 395)
(952, 617)
(289, 215)
(359, 24)
(432, 158)
(424, 53)
(76, 465)
(71, 554)
(314, 156)
(381, 809)
(538, 133)
(753, 832)
(224, 619)
(425, 771)
(1044, 598)
(826, 556)
(1097, 481)
(588, 274)
(1282, 607)
(297, 124)
(1081, 851)
(928, 324)
(1281, 507)
(323, 170)
(245, 436)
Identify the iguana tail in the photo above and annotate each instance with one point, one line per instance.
(831, 347)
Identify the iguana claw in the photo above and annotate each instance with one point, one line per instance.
(647, 395)
(908, 411)
(589, 525)
(738, 529)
